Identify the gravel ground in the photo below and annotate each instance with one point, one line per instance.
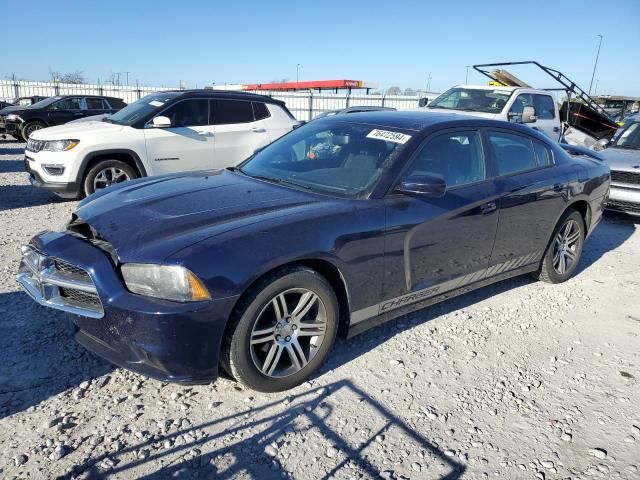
(517, 380)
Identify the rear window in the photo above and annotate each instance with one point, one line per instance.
(95, 104)
(116, 103)
(513, 153)
(227, 112)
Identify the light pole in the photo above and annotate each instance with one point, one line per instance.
(127, 74)
(429, 83)
(297, 72)
(466, 77)
(595, 90)
(595, 65)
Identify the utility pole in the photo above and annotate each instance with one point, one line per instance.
(595, 90)
(297, 73)
(127, 74)
(595, 65)
(429, 83)
(466, 77)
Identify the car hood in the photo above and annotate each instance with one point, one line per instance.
(76, 130)
(622, 159)
(10, 109)
(147, 220)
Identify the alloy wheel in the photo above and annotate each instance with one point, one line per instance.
(566, 247)
(288, 332)
(32, 128)
(108, 176)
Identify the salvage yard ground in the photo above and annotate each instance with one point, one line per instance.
(517, 380)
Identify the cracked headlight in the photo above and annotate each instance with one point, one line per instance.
(170, 282)
(12, 117)
(59, 145)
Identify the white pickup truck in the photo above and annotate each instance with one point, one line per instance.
(537, 108)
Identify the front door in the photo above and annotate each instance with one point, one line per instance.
(188, 144)
(547, 120)
(67, 109)
(238, 133)
(437, 244)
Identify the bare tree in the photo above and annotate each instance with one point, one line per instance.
(394, 91)
(76, 77)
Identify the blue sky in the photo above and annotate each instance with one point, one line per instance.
(392, 43)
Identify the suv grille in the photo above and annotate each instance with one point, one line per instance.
(625, 177)
(58, 284)
(34, 145)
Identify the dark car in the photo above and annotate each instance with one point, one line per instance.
(340, 225)
(16, 104)
(21, 122)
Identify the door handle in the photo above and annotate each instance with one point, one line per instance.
(204, 133)
(258, 130)
(556, 129)
(488, 208)
(77, 114)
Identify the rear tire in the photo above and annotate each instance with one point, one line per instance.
(565, 249)
(30, 127)
(106, 173)
(271, 348)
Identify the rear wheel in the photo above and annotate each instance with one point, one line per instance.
(106, 173)
(283, 331)
(565, 249)
(30, 127)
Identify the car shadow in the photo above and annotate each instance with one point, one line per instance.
(23, 196)
(241, 439)
(11, 166)
(39, 356)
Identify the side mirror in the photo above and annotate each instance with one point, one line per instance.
(603, 143)
(423, 102)
(160, 122)
(299, 124)
(427, 185)
(528, 115)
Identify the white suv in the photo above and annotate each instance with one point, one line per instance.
(161, 133)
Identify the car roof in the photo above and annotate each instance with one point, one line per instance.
(228, 94)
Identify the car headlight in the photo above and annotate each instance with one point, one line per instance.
(13, 116)
(170, 282)
(59, 145)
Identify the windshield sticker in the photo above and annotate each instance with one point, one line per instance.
(156, 103)
(389, 136)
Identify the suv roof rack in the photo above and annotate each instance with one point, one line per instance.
(568, 85)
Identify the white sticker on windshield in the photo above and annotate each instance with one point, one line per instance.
(389, 136)
(156, 103)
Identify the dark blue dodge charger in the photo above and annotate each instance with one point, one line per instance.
(338, 226)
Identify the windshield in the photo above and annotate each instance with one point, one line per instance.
(329, 156)
(45, 102)
(472, 100)
(137, 110)
(629, 138)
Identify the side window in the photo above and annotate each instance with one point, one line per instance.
(545, 107)
(513, 153)
(260, 111)
(232, 111)
(24, 102)
(73, 103)
(95, 104)
(116, 103)
(543, 155)
(456, 157)
(521, 101)
(188, 113)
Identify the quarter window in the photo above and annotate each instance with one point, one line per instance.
(513, 153)
(543, 155)
(188, 113)
(260, 111)
(455, 157)
(232, 111)
(95, 104)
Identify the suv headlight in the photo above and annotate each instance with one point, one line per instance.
(170, 282)
(12, 116)
(59, 145)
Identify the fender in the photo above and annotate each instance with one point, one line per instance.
(126, 151)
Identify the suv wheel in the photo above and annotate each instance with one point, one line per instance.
(30, 127)
(106, 173)
(564, 250)
(283, 331)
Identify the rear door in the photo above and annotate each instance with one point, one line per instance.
(238, 132)
(533, 194)
(437, 244)
(66, 109)
(188, 144)
(96, 106)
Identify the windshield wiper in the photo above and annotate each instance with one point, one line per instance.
(276, 180)
(438, 106)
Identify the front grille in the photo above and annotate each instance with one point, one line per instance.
(625, 177)
(626, 206)
(34, 145)
(58, 284)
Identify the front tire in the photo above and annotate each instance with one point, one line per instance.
(30, 127)
(282, 332)
(565, 249)
(106, 173)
